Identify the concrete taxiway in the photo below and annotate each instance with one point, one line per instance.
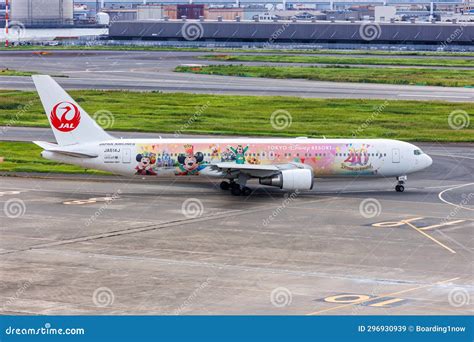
(109, 245)
(153, 70)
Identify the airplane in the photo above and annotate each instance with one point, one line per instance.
(285, 163)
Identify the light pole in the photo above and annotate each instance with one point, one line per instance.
(6, 23)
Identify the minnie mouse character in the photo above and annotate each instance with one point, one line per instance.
(189, 163)
(145, 164)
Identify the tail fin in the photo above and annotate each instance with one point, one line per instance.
(70, 123)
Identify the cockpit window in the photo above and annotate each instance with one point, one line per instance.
(417, 152)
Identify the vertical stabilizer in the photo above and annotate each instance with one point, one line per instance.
(70, 123)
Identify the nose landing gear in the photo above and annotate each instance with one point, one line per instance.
(400, 187)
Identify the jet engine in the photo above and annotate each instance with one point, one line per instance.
(301, 179)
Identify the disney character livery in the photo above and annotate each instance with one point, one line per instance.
(190, 162)
(145, 160)
(239, 153)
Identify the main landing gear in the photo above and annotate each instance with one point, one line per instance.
(401, 181)
(235, 188)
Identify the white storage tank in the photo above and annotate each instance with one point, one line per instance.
(42, 12)
(102, 18)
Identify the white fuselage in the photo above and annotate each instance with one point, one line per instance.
(192, 157)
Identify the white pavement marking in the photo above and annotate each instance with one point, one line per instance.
(440, 196)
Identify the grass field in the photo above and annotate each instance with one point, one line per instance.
(406, 76)
(256, 50)
(8, 72)
(25, 157)
(345, 60)
(250, 115)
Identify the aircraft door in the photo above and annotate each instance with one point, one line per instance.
(126, 156)
(395, 155)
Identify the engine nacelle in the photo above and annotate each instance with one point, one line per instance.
(301, 179)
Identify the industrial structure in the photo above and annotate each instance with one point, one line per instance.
(334, 4)
(400, 10)
(41, 13)
(59, 13)
(296, 32)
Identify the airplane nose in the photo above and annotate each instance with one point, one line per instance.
(429, 161)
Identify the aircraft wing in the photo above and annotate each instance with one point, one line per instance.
(254, 170)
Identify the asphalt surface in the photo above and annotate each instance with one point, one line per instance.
(81, 244)
(152, 70)
(110, 245)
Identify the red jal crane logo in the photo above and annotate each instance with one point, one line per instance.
(65, 116)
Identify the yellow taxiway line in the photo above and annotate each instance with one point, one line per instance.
(429, 237)
(382, 296)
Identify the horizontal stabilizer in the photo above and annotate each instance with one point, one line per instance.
(45, 145)
(66, 150)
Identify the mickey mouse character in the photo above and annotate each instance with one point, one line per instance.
(145, 164)
(189, 163)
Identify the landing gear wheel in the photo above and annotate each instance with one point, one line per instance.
(225, 185)
(246, 191)
(236, 191)
(234, 185)
(401, 181)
